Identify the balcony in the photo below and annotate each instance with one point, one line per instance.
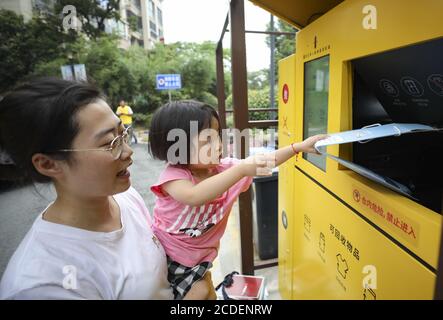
(134, 7)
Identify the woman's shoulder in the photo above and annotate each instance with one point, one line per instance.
(131, 201)
(131, 195)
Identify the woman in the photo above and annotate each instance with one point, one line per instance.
(95, 240)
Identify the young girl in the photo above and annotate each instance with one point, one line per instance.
(195, 192)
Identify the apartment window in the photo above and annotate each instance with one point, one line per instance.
(135, 22)
(151, 10)
(137, 42)
(122, 29)
(153, 28)
(43, 6)
(137, 4)
(160, 18)
(139, 24)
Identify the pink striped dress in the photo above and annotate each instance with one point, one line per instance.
(191, 235)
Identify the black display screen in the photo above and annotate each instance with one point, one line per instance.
(408, 82)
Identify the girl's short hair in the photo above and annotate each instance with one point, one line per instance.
(178, 115)
(40, 117)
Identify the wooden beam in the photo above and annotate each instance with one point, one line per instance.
(263, 123)
(221, 95)
(256, 109)
(240, 105)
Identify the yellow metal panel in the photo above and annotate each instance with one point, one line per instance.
(286, 102)
(297, 12)
(335, 250)
(351, 206)
(340, 34)
(286, 114)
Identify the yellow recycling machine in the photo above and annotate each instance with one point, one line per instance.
(341, 234)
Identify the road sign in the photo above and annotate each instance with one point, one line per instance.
(168, 81)
(67, 73)
(80, 72)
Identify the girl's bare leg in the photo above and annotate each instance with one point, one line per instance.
(202, 289)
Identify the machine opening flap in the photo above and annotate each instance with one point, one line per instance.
(371, 132)
(385, 181)
(365, 135)
(400, 90)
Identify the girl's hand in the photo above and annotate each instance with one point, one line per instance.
(307, 146)
(258, 165)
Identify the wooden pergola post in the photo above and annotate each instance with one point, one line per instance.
(241, 118)
(221, 96)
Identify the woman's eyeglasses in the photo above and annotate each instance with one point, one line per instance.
(115, 147)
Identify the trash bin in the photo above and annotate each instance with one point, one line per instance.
(266, 199)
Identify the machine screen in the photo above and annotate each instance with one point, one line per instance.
(408, 82)
(316, 90)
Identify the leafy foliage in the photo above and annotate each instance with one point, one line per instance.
(40, 47)
(92, 14)
(24, 45)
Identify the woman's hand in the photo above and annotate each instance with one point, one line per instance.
(307, 145)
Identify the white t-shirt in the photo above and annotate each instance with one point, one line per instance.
(56, 261)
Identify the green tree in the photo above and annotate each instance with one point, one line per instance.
(284, 44)
(40, 44)
(110, 68)
(13, 62)
(106, 66)
(40, 48)
(196, 64)
(92, 14)
(257, 80)
(197, 75)
(256, 99)
(25, 45)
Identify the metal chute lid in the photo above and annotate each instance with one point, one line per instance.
(367, 134)
(385, 181)
(371, 132)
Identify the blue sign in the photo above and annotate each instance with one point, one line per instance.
(168, 81)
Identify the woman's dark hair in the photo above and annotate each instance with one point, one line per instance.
(40, 117)
(178, 115)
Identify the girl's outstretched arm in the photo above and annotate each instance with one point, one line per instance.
(283, 154)
(209, 189)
